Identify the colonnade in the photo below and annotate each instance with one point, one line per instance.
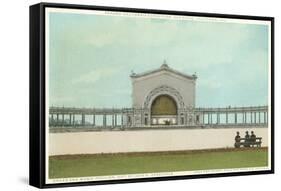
(76, 119)
(130, 117)
(237, 118)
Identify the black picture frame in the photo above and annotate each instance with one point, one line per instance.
(37, 94)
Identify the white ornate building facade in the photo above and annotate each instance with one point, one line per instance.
(164, 96)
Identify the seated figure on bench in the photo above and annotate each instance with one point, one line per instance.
(253, 137)
(247, 139)
(237, 140)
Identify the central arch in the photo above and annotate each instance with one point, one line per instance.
(164, 105)
(164, 110)
(163, 90)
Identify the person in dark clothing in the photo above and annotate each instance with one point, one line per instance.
(237, 140)
(247, 139)
(253, 137)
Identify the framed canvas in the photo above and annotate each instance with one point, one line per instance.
(123, 95)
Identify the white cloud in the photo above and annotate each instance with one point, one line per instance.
(61, 100)
(210, 83)
(95, 75)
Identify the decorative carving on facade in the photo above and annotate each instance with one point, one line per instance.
(163, 90)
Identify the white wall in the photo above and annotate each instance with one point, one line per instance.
(146, 140)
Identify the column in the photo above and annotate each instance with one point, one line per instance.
(73, 120)
(83, 119)
(122, 120)
(128, 120)
(245, 117)
(112, 121)
(57, 120)
(149, 118)
(218, 118)
(146, 120)
(51, 121)
(178, 119)
(115, 122)
(203, 118)
(104, 120)
(226, 118)
(142, 117)
(235, 118)
(185, 118)
(264, 116)
(62, 119)
(255, 115)
(94, 120)
(251, 117)
(259, 117)
(133, 118)
(70, 116)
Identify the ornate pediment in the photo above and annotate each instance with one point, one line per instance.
(166, 68)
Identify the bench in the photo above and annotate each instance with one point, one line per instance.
(248, 142)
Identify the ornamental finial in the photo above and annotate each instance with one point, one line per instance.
(164, 65)
(133, 73)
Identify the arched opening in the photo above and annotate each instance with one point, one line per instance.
(163, 110)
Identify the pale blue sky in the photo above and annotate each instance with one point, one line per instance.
(92, 56)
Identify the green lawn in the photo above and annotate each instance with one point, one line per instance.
(95, 165)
